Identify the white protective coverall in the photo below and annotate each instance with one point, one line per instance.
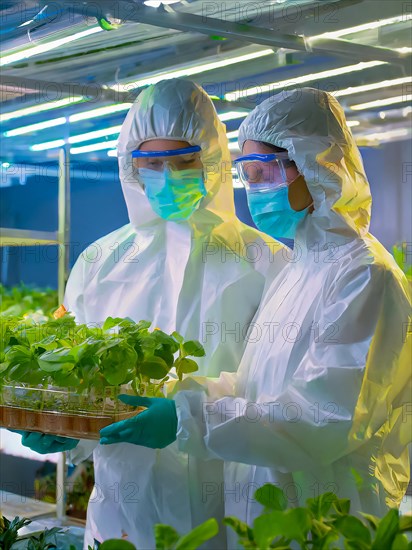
(203, 277)
(325, 391)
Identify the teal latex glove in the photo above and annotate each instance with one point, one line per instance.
(45, 443)
(155, 427)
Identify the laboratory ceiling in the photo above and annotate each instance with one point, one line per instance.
(70, 70)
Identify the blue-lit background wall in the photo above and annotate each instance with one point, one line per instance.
(97, 208)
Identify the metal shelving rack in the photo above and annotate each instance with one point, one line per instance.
(28, 237)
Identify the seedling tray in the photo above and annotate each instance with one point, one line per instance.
(59, 412)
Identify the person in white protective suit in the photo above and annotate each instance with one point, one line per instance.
(322, 398)
(203, 276)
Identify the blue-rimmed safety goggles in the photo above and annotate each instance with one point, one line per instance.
(185, 158)
(170, 153)
(259, 172)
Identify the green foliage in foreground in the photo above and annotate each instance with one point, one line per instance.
(325, 523)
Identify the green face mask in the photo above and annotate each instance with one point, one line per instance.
(173, 195)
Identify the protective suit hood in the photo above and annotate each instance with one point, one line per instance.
(311, 125)
(178, 110)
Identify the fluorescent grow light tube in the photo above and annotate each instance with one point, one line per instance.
(35, 127)
(100, 111)
(96, 134)
(232, 115)
(47, 145)
(365, 27)
(375, 86)
(189, 71)
(233, 135)
(40, 108)
(382, 102)
(42, 48)
(291, 82)
(383, 136)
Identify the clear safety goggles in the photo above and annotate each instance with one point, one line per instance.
(168, 161)
(264, 172)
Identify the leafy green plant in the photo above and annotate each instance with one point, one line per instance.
(167, 538)
(324, 524)
(45, 540)
(24, 300)
(9, 539)
(89, 360)
(78, 491)
(9, 531)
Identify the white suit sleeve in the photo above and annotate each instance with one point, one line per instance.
(341, 393)
(74, 302)
(73, 297)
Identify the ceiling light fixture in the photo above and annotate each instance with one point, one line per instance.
(291, 82)
(40, 108)
(233, 135)
(47, 145)
(100, 111)
(382, 102)
(375, 86)
(42, 48)
(35, 127)
(189, 71)
(96, 134)
(383, 136)
(232, 115)
(365, 27)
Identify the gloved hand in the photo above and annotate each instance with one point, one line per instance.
(155, 427)
(45, 443)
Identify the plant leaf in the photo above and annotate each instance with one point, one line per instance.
(155, 368)
(353, 529)
(185, 366)
(321, 505)
(405, 523)
(198, 535)
(193, 348)
(400, 542)
(372, 520)
(292, 524)
(165, 537)
(240, 527)
(271, 497)
(387, 530)
(178, 337)
(341, 506)
(56, 359)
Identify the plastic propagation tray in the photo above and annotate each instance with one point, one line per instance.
(62, 412)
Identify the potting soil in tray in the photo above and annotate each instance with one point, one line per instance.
(84, 426)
